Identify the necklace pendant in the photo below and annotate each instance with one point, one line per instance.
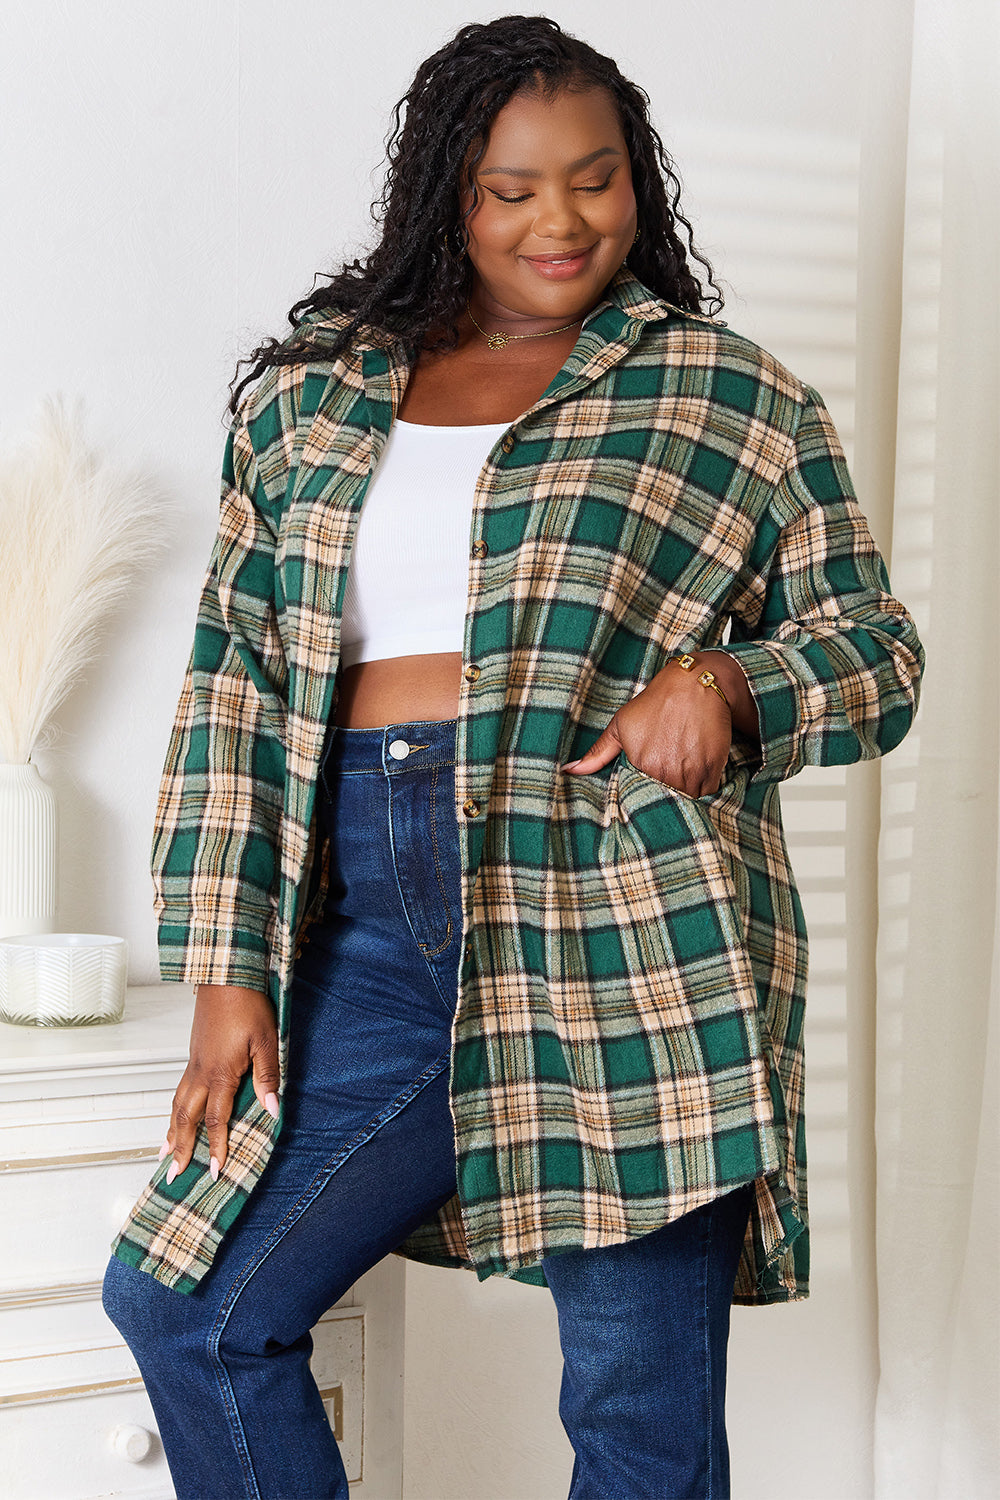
(498, 340)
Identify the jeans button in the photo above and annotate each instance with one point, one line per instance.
(399, 749)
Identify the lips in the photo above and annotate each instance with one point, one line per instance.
(559, 266)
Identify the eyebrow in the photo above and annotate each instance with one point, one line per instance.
(574, 166)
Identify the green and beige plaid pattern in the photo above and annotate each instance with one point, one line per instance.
(627, 1043)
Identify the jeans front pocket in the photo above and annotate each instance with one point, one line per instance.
(425, 853)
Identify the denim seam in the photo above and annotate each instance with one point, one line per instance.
(436, 846)
(306, 1198)
(230, 1406)
(400, 768)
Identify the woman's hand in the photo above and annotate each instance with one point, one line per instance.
(677, 730)
(233, 1029)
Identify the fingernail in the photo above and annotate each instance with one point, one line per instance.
(213, 1168)
(172, 1172)
(571, 765)
(164, 1151)
(271, 1105)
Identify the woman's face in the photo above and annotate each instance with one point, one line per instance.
(556, 211)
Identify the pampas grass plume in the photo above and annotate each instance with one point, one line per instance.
(74, 532)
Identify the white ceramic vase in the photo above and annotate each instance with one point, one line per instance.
(27, 852)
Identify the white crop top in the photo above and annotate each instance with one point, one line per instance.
(408, 580)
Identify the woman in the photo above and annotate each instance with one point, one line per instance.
(469, 835)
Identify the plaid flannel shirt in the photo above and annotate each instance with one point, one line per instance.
(627, 1041)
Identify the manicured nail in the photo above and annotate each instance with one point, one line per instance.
(172, 1172)
(164, 1151)
(271, 1105)
(213, 1168)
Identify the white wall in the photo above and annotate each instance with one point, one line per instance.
(172, 178)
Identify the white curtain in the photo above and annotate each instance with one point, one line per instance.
(936, 1064)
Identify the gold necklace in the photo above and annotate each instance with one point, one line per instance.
(501, 340)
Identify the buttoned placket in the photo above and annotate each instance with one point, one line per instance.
(471, 799)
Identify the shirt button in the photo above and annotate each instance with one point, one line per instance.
(479, 549)
(472, 674)
(471, 807)
(399, 749)
(508, 443)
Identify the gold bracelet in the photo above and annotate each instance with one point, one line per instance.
(706, 678)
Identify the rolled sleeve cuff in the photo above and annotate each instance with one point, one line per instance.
(194, 954)
(787, 704)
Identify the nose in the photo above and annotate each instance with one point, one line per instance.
(558, 217)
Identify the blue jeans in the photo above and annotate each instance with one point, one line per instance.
(366, 1152)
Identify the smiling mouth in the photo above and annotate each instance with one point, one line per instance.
(558, 267)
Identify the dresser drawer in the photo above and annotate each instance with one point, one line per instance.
(82, 1441)
(57, 1222)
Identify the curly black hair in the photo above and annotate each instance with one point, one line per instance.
(414, 284)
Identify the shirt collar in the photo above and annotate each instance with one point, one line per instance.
(627, 293)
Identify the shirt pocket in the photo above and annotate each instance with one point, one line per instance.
(633, 785)
(693, 842)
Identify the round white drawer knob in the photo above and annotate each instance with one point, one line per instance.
(131, 1442)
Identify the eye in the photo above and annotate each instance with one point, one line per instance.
(600, 186)
(502, 197)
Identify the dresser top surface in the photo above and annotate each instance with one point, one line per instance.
(154, 1030)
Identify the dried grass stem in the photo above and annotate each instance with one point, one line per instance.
(74, 532)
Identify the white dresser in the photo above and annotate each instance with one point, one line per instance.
(82, 1116)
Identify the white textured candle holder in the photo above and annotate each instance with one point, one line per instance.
(62, 979)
